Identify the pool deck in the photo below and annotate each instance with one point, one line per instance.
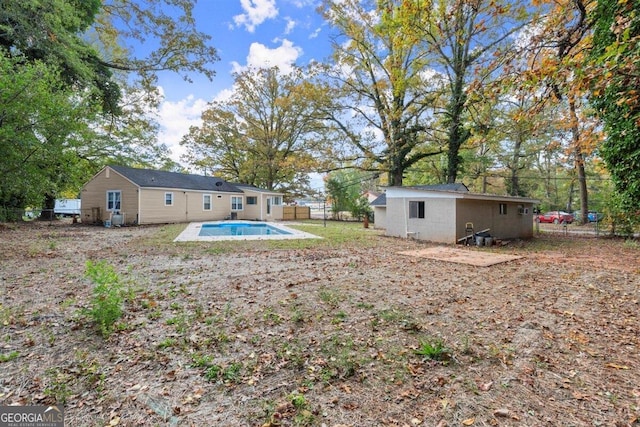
(191, 233)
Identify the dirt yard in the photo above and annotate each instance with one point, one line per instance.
(328, 334)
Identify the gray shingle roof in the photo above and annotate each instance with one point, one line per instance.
(381, 200)
(164, 179)
(443, 187)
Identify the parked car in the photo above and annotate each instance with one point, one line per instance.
(592, 216)
(555, 217)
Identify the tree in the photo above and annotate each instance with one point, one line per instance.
(345, 191)
(265, 135)
(615, 80)
(405, 69)
(169, 25)
(35, 123)
(379, 92)
(470, 42)
(78, 43)
(51, 31)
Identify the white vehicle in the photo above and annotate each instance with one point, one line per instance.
(67, 207)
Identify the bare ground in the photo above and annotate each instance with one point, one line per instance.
(329, 335)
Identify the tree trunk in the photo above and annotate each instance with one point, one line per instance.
(579, 161)
(47, 210)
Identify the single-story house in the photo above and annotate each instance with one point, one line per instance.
(444, 213)
(125, 195)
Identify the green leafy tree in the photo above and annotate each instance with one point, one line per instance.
(109, 90)
(345, 190)
(469, 42)
(265, 135)
(615, 78)
(35, 128)
(378, 94)
(404, 71)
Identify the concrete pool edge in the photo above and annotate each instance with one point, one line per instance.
(191, 233)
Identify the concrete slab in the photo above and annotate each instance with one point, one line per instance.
(462, 256)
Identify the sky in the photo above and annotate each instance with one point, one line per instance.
(256, 33)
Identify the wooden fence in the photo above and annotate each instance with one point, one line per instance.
(296, 212)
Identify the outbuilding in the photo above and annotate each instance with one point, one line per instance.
(448, 213)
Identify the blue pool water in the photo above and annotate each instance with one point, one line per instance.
(240, 229)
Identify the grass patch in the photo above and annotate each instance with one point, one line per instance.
(434, 349)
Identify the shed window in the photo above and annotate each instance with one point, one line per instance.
(503, 208)
(236, 203)
(113, 200)
(168, 199)
(416, 209)
(252, 200)
(206, 202)
(277, 200)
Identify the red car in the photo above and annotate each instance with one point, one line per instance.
(555, 217)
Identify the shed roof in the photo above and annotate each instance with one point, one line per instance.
(163, 179)
(381, 200)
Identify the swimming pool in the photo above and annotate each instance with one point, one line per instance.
(240, 229)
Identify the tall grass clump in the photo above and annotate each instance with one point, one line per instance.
(107, 299)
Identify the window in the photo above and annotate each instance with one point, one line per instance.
(416, 209)
(277, 200)
(252, 200)
(168, 199)
(206, 202)
(113, 200)
(503, 208)
(236, 203)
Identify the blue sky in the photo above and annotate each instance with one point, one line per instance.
(258, 33)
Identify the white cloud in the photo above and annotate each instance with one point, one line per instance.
(291, 24)
(255, 13)
(304, 3)
(316, 33)
(176, 118)
(260, 56)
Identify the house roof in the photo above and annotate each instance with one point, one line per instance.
(381, 200)
(256, 189)
(164, 179)
(442, 187)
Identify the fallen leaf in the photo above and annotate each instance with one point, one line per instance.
(469, 421)
(114, 421)
(616, 366)
(486, 386)
(501, 413)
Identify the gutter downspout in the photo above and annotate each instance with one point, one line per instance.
(139, 207)
(406, 217)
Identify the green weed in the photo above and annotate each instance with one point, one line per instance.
(107, 300)
(434, 349)
(9, 356)
(58, 385)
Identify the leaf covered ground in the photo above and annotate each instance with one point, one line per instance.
(338, 332)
